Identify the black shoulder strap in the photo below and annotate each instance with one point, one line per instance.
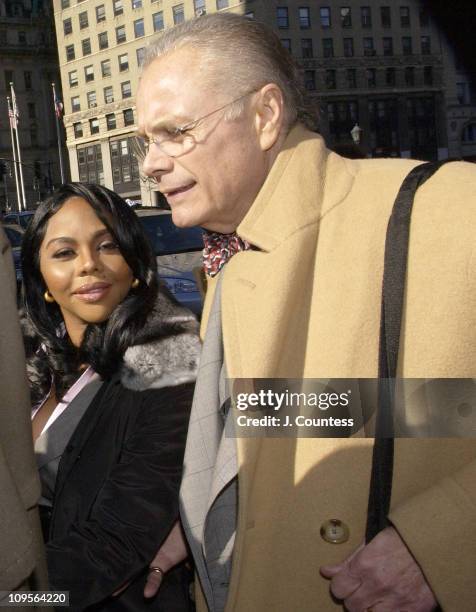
(393, 289)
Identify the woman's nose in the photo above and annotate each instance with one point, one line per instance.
(89, 261)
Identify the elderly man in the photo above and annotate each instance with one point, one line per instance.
(221, 110)
(22, 564)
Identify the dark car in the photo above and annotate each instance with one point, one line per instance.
(15, 236)
(179, 255)
(21, 218)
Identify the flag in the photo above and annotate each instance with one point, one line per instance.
(13, 111)
(58, 107)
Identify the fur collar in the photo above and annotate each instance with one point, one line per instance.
(167, 350)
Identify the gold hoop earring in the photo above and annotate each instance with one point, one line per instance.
(48, 297)
(135, 283)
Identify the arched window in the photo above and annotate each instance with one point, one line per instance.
(469, 133)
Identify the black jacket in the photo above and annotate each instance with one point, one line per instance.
(116, 493)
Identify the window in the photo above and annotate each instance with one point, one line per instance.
(27, 79)
(100, 13)
(118, 7)
(108, 95)
(387, 45)
(469, 133)
(178, 14)
(409, 76)
(128, 115)
(64, 4)
(345, 17)
(222, 4)
(341, 116)
(33, 136)
(90, 164)
(75, 105)
(428, 75)
(282, 16)
(8, 78)
(67, 26)
(125, 168)
(83, 20)
(371, 77)
(22, 38)
(199, 7)
(88, 73)
(306, 47)
(111, 121)
(304, 17)
(106, 68)
(73, 78)
(407, 45)
(69, 53)
(328, 47)
(424, 18)
(366, 16)
(91, 98)
(425, 45)
(462, 93)
(102, 39)
(310, 80)
(78, 130)
(385, 17)
(121, 34)
(325, 16)
(369, 46)
(351, 78)
(286, 42)
(94, 126)
(404, 16)
(136, 4)
(139, 28)
(330, 79)
(123, 62)
(86, 46)
(126, 91)
(158, 21)
(390, 77)
(31, 110)
(140, 53)
(348, 47)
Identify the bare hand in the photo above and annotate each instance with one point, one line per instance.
(382, 576)
(172, 552)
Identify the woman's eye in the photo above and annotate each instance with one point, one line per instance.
(63, 254)
(108, 246)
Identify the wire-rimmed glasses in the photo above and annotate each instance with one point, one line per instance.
(179, 140)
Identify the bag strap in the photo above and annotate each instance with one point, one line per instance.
(393, 290)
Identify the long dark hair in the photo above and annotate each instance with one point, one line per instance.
(51, 357)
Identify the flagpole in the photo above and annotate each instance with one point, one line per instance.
(16, 113)
(58, 133)
(11, 117)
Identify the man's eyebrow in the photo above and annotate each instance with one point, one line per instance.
(165, 123)
(71, 240)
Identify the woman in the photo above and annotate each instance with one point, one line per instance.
(111, 363)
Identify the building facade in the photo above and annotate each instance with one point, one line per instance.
(28, 59)
(380, 65)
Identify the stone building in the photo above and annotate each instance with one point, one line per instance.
(380, 64)
(28, 58)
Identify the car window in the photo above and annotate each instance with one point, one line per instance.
(13, 236)
(166, 238)
(25, 220)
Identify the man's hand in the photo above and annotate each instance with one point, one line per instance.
(172, 552)
(382, 576)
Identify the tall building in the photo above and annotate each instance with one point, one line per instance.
(376, 64)
(28, 59)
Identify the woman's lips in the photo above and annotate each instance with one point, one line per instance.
(93, 292)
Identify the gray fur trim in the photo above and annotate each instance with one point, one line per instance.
(168, 351)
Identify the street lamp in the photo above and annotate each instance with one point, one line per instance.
(356, 133)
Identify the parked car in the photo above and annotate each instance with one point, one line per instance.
(21, 218)
(179, 255)
(15, 236)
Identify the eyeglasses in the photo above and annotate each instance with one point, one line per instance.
(179, 140)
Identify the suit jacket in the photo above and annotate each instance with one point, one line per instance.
(21, 554)
(307, 305)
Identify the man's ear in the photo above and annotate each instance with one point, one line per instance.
(269, 118)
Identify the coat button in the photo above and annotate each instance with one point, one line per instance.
(334, 531)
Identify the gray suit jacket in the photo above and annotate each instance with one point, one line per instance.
(21, 552)
(208, 496)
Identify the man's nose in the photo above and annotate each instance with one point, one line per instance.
(156, 162)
